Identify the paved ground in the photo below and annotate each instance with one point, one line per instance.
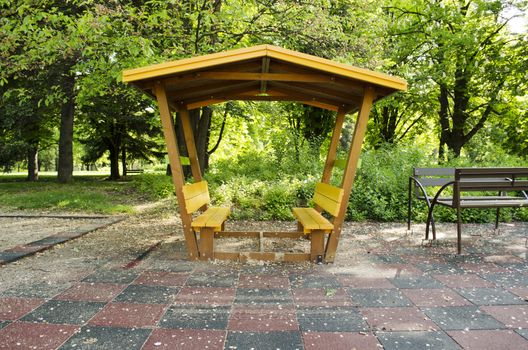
(385, 291)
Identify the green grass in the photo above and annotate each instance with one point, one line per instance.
(87, 194)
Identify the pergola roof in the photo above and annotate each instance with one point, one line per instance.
(263, 72)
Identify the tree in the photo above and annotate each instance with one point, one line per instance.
(466, 50)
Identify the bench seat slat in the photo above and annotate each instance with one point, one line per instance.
(312, 220)
(484, 202)
(212, 217)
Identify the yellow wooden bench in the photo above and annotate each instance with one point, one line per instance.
(312, 223)
(209, 221)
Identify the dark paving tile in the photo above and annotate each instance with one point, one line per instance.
(416, 282)
(397, 319)
(378, 297)
(193, 317)
(93, 337)
(468, 280)
(111, 276)
(439, 268)
(162, 278)
(265, 318)
(523, 332)
(462, 317)
(36, 290)
(314, 281)
(490, 296)
(64, 312)
(129, 315)
(489, 339)
(51, 240)
(517, 267)
(336, 319)
(189, 339)
(387, 259)
(290, 340)
(512, 279)
(354, 281)
(160, 264)
(416, 340)
(213, 279)
(14, 308)
(22, 335)
(206, 296)
(136, 293)
(6, 257)
(103, 292)
(263, 296)
(322, 297)
(4, 323)
(513, 316)
(340, 341)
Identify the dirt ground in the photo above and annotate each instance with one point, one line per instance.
(158, 228)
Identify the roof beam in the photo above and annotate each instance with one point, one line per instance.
(208, 90)
(265, 69)
(314, 94)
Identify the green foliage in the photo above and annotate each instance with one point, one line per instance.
(153, 186)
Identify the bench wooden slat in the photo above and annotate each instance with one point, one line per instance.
(434, 172)
(328, 197)
(212, 217)
(312, 220)
(196, 196)
(430, 182)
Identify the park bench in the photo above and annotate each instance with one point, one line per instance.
(211, 220)
(479, 182)
(311, 222)
(135, 171)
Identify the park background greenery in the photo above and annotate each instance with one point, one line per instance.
(63, 107)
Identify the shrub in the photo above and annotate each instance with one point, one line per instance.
(154, 186)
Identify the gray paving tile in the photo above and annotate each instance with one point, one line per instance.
(264, 340)
(36, 290)
(513, 279)
(64, 312)
(416, 340)
(490, 296)
(51, 240)
(221, 279)
(4, 323)
(462, 317)
(98, 338)
(523, 332)
(441, 269)
(111, 276)
(378, 297)
(337, 319)
(416, 282)
(263, 296)
(195, 317)
(11, 256)
(146, 294)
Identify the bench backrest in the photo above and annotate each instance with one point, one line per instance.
(432, 177)
(492, 179)
(328, 197)
(196, 196)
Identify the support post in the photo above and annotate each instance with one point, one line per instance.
(188, 135)
(207, 243)
(316, 245)
(332, 149)
(350, 170)
(176, 168)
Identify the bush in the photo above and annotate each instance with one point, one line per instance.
(154, 186)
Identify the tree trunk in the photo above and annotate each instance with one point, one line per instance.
(123, 161)
(65, 166)
(114, 163)
(32, 160)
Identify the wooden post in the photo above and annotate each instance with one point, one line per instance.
(176, 168)
(206, 243)
(188, 135)
(332, 149)
(316, 244)
(350, 170)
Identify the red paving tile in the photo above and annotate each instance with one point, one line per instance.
(399, 270)
(469, 280)
(263, 319)
(489, 339)
(520, 291)
(321, 297)
(483, 268)
(397, 319)
(162, 278)
(352, 281)
(263, 281)
(340, 341)
(514, 316)
(14, 308)
(92, 292)
(129, 315)
(435, 297)
(206, 296)
(188, 339)
(22, 335)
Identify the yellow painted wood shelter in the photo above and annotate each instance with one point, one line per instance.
(262, 73)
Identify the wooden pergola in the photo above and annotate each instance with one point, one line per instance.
(262, 73)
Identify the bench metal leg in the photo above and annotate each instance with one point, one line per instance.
(206, 243)
(409, 205)
(316, 245)
(459, 231)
